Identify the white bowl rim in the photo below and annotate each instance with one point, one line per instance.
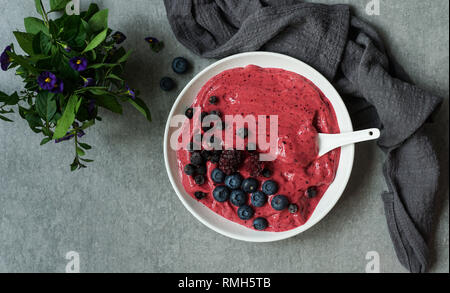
(345, 125)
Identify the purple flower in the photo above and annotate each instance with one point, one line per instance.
(81, 133)
(130, 92)
(59, 87)
(119, 37)
(78, 63)
(65, 138)
(5, 60)
(47, 81)
(88, 81)
(152, 40)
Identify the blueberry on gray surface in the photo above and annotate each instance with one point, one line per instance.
(199, 195)
(238, 197)
(217, 176)
(311, 192)
(260, 224)
(167, 84)
(189, 113)
(199, 179)
(245, 212)
(233, 181)
(180, 65)
(197, 159)
(270, 187)
(293, 208)
(242, 132)
(189, 169)
(258, 199)
(279, 202)
(250, 185)
(213, 100)
(221, 193)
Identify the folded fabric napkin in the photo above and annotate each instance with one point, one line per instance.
(351, 55)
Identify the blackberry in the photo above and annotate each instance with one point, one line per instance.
(230, 161)
(206, 155)
(197, 159)
(215, 158)
(199, 195)
(253, 165)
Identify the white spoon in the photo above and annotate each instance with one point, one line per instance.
(329, 142)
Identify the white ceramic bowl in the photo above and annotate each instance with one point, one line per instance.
(271, 60)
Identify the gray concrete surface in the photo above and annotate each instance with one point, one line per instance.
(121, 214)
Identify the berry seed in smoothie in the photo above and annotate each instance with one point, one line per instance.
(278, 195)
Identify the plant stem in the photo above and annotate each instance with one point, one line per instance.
(44, 13)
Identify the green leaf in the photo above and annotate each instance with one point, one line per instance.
(25, 41)
(22, 62)
(93, 9)
(5, 119)
(96, 41)
(34, 25)
(99, 21)
(86, 160)
(38, 5)
(113, 76)
(46, 140)
(67, 118)
(9, 99)
(84, 146)
(42, 44)
(46, 105)
(58, 5)
(141, 107)
(109, 102)
(80, 152)
(125, 57)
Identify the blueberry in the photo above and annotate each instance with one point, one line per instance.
(213, 100)
(189, 113)
(311, 192)
(167, 84)
(233, 181)
(293, 208)
(266, 173)
(238, 198)
(270, 187)
(217, 176)
(221, 193)
(259, 199)
(197, 159)
(201, 170)
(199, 195)
(250, 185)
(279, 202)
(242, 132)
(189, 169)
(199, 179)
(260, 224)
(180, 65)
(245, 212)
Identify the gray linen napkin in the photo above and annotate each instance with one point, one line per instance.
(376, 90)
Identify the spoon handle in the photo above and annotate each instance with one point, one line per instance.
(328, 142)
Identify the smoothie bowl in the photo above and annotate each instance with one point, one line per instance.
(230, 188)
